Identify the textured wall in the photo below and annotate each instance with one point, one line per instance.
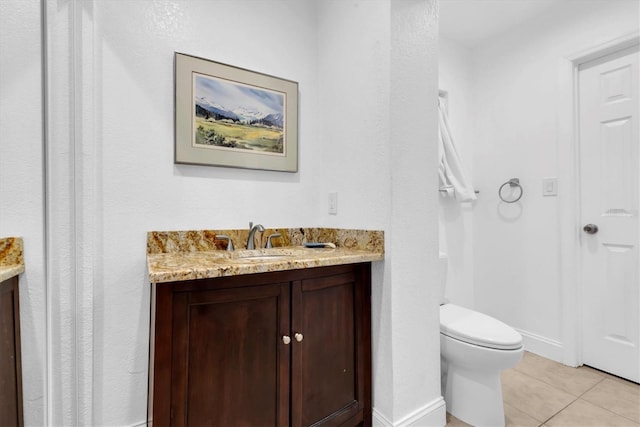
(353, 95)
(21, 183)
(517, 254)
(138, 188)
(456, 219)
(366, 129)
(414, 210)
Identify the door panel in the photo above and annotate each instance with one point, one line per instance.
(10, 360)
(231, 366)
(610, 191)
(326, 387)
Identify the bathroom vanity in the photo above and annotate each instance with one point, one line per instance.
(276, 336)
(11, 265)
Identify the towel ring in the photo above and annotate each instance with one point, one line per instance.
(513, 182)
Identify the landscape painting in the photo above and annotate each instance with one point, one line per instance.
(235, 116)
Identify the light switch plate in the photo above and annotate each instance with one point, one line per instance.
(333, 203)
(550, 186)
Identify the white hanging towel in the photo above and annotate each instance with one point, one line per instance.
(452, 171)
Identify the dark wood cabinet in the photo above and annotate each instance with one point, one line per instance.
(289, 348)
(10, 362)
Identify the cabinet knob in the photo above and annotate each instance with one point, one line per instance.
(286, 339)
(298, 336)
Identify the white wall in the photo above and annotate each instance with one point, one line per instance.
(21, 184)
(137, 186)
(515, 96)
(353, 92)
(456, 77)
(367, 130)
(413, 245)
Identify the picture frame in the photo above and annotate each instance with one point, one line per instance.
(234, 117)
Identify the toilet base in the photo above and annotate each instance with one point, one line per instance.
(471, 383)
(474, 397)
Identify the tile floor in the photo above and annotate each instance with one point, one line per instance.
(541, 392)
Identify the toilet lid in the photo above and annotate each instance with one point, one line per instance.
(477, 328)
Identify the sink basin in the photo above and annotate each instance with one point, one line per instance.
(264, 257)
(265, 254)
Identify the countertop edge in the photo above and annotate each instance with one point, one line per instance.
(7, 273)
(236, 267)
(11, 257)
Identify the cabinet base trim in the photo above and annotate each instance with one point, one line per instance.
(433, 413)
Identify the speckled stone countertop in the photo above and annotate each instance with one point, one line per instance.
(11, 259)
(185, 255)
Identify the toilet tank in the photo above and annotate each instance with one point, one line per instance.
(443, 265)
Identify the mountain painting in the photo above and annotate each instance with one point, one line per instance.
(238, 117)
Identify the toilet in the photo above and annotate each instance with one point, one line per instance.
(474, 349)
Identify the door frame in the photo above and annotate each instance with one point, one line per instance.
(569, 211)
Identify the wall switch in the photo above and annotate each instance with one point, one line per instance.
(333, 203)
(550, 186)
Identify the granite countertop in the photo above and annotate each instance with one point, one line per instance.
(11, 258)
(185, 255)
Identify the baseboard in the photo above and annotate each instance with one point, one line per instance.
(542, 346)
(433, 414)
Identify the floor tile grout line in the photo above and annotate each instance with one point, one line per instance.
(602, 378)
(566, 406)
(533, 373)
(610, 411)
(575, 398)
(601, 374)
(599, 405)
(542, 381)
(585, 401)
(593, 386)
(552, 386)
(612, 377)
(524, 412)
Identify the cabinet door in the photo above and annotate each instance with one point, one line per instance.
(10, 363)
(331, 356)
(230, 365)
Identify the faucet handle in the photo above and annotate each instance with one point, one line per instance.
(228, 239)
(269, 244)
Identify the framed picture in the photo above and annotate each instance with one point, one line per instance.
(229, 116)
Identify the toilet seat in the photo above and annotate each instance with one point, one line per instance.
(478, 329)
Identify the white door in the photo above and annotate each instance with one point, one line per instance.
(610, 193)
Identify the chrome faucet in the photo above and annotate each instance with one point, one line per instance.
(252, 232)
